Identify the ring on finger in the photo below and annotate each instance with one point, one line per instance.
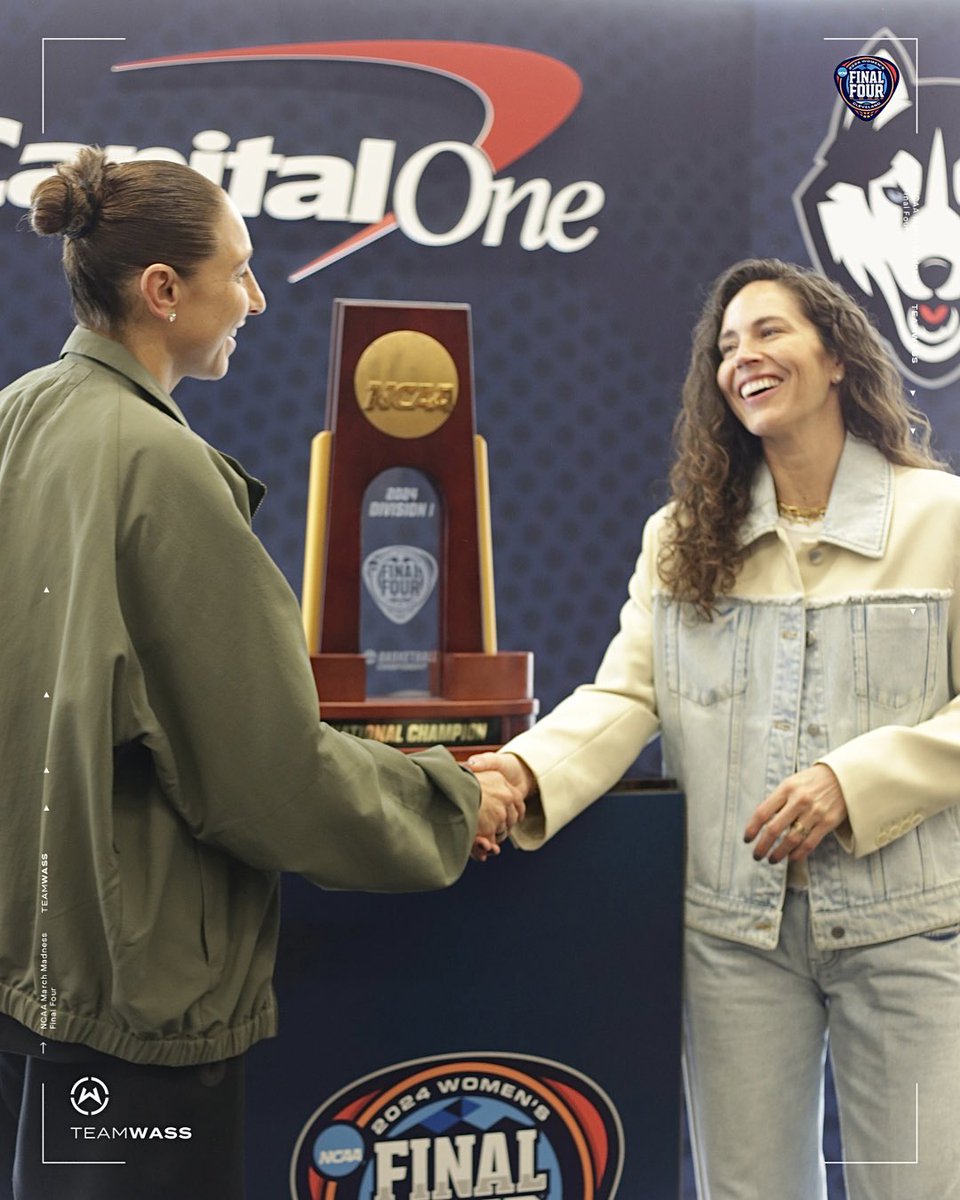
(801, 831)
(501, 835)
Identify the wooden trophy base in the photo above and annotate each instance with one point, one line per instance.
(482, 701)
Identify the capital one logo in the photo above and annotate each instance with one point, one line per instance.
(89, 1096)
(375, 192)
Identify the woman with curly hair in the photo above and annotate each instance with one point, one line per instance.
(793, 633)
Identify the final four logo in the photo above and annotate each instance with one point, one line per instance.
(475, 1125)
(401, 580)
(866, 83)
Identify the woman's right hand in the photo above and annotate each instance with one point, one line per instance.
(505, 783)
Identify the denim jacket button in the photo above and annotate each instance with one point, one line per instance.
(813, 729)
(811, 638)
(838, 931)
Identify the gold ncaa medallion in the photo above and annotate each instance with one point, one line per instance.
(406, 384)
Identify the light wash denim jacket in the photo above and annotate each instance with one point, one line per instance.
(843, 653)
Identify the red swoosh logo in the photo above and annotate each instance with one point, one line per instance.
(526, 96)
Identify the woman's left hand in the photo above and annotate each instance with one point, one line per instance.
(796, 816)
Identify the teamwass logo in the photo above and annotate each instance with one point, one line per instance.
(474, 1125)
(89, 1096)
(374, 191)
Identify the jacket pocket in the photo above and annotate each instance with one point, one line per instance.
(895, 659)
(213, 920)
(949, 933)
(706, 661)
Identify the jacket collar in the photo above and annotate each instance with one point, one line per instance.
(859, 509)
(111, 354)
(86, 343)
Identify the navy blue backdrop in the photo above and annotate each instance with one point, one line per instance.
(698, 120)
(697, 139)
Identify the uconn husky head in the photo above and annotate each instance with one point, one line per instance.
(880, 213)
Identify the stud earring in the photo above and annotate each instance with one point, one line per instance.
(171, 317)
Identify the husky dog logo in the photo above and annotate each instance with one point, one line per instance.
(880, 214)
(401, 580)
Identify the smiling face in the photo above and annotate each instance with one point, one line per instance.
(214, 302)
(775, 373)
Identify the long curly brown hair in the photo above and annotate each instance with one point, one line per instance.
(717, 458)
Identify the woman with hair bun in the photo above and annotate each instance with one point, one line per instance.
(161, 753)
(793, 633)
(147, 245)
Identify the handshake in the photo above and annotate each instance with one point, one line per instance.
(506, 782)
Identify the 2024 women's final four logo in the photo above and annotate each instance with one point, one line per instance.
(866, 84)
(462, 1126)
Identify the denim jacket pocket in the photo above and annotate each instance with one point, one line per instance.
(948, 933)
(706, 661)
(895, 659)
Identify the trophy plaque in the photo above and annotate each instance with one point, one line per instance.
(398, 595)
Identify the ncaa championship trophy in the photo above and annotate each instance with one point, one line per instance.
(398, 596)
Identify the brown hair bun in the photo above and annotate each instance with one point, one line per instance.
(68, 203)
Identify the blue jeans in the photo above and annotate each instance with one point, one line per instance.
(757, 1024)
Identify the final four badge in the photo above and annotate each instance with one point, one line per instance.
(401, 580)
(470, 1125)
(866, 84)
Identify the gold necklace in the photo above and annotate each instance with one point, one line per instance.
(800, 512)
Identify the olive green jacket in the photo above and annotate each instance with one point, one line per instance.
(161, 753)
